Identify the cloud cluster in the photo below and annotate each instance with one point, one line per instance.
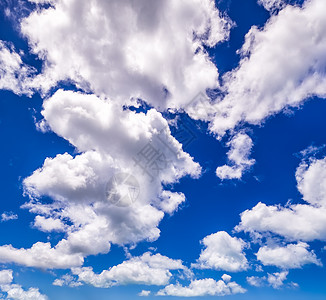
(275, 280)
(147, 269)
(112, 189)
(282, 65)
(15, 291)
(203, 287)
(304, 222)
(294, 222)
(110, 140)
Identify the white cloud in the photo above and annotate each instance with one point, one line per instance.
(147, 269)
(202, 287)
(222, 252)
(8, 216)
(127, 43)
(226, 277)
(14, 74)
(67, 280)
(256, 281)
(170, 201)
(238, 157)
(15, 291)
(40, 255)
(282, 65)
(109, 139)
(305, 222)
(144, 293)
(296, 222)
(276, 279)
(311, 180)
(271, 5)
(6, 277)
(48, 224)
(292, 256)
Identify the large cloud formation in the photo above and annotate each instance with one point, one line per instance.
(116, 48)
(110, 139)
(282, 65)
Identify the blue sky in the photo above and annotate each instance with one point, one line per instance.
(228, 96)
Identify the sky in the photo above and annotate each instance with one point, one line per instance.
(162, 149)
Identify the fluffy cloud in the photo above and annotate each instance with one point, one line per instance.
(40, 255)
(282, 64)
(48, 224)
(311, 180)
(144, 293)
(127, 42)
(276, 279)
(290, 257)
(15, 291)
(170, 201)
(238, 157)
(222, 252)
(202, 287)
(110, 141)
(296, 222)
(14, 74)
(147, 269)
(305, 222)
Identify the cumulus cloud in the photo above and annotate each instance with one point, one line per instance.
(311, 180)
(282, 65)
(292, 256)
(127, 43)
(144, 293)
(170, 201)
(110, 141)
(203, 287)
(147, 269)
(222, 252)
(295, 222)
(48, 224)
(238, 157)
(15, 291)
(40, 255)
